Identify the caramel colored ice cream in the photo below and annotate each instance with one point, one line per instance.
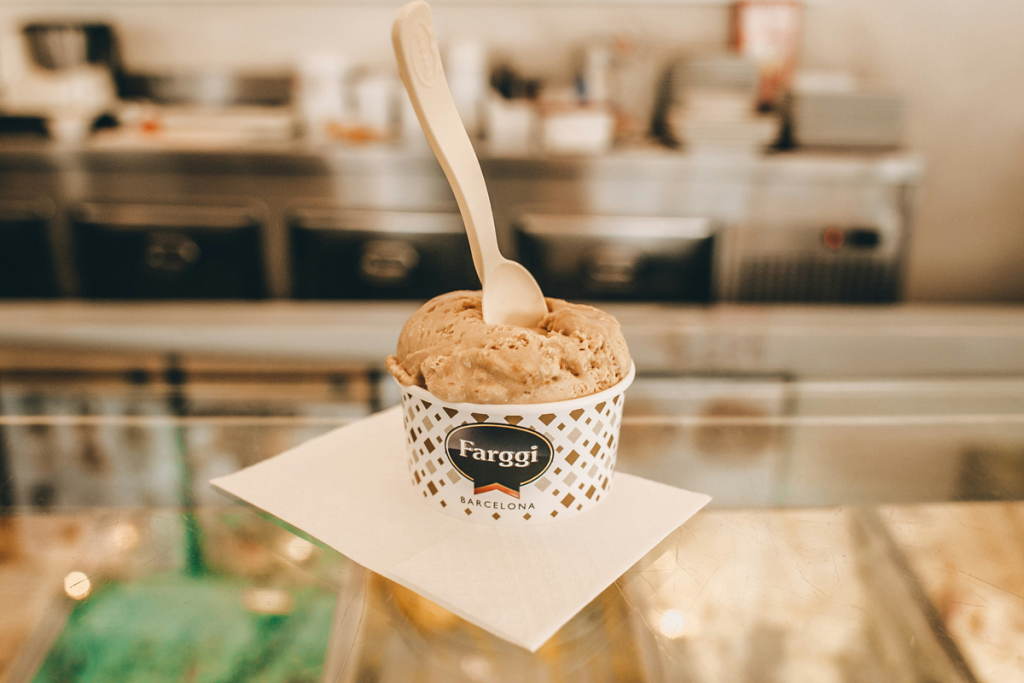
(448, 349)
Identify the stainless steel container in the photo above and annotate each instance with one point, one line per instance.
(151, 251)
(352, 254)
(64, 45)
(847, 119)
(26, 261)
(618, 257)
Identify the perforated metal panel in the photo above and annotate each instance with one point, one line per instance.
(847, 280)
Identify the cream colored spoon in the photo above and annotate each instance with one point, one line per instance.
(511, 295)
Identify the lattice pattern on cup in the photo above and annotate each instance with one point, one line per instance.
(585, 442)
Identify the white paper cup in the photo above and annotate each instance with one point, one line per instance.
(513, 464)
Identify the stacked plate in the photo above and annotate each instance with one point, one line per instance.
(711, 104)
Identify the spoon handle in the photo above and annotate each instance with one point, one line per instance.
(419, 64)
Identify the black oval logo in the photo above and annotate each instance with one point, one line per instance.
(498, 457)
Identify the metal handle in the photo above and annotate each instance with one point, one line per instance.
(170, 252)
(615, 266)
(388, 262)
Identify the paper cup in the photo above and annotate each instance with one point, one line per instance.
(513, 464)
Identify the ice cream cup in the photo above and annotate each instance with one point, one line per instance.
(513, 464)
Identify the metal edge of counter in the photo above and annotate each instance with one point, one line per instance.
(804, 341)
(304, 158)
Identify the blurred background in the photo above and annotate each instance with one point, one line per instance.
(216, 216)
(883, 119)
(228, 208)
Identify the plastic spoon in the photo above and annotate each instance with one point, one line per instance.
(511, 295)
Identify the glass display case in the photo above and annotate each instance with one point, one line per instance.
(861, 530)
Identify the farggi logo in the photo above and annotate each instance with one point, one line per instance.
(424, 58)
(498, 457)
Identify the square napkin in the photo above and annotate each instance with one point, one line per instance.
(350, 490)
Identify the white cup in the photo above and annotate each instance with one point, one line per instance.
(513, 464)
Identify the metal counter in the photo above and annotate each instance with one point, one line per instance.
(770, 211)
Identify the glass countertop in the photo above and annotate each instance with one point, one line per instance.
(860, 531)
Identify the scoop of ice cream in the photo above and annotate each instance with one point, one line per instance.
(448, 349)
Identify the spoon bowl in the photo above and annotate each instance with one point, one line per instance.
(512, 296)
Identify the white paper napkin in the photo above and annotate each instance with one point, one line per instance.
(349, 489)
